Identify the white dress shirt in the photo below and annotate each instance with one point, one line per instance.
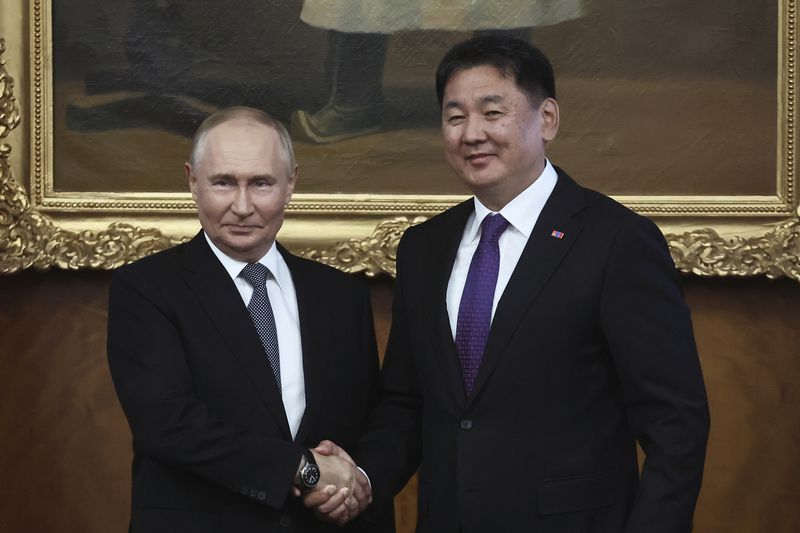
(282, 298)
(522, 213)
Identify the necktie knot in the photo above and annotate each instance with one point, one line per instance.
(492, 227)
(255, 274)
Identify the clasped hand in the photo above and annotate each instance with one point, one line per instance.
(343, 491)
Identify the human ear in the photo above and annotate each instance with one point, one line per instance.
(292, 180)
(548, 111)
(187, 170)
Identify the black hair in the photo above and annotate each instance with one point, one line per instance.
(519, 59)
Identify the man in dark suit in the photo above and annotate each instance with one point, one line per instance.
(539, 332)
(231, 356)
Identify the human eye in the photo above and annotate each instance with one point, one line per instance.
(220, 183)
(455, 120)
(262, 183)
(493, 113)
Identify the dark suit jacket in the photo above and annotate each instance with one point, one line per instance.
(211, 441)
(591, 349)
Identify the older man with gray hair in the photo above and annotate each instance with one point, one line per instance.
(230, 355)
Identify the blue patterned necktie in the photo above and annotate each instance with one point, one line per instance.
(261, 312)
(475, 309)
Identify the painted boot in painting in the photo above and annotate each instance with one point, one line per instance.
(356, 104)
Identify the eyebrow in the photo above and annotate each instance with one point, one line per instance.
(491, 99)
(488, 99)
(221, 177)
(231, 177)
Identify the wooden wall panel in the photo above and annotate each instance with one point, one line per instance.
(748, 334)
(65, 445)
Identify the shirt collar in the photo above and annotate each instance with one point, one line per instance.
(519, 210)
(272, 260)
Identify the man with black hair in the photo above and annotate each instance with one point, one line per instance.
(539, 332)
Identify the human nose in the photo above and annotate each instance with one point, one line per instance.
(242, 206)
(474, 132)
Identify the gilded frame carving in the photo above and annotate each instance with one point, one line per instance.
(41, 228)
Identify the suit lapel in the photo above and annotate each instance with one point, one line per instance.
(313, 328)
(219, 297)
(438, 267)
(539, 260)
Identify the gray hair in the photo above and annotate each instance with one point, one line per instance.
(247, 113)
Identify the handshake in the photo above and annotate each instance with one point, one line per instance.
(343, 491)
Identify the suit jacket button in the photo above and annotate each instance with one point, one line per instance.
(262, 495)
(286, 520)
(466, 424)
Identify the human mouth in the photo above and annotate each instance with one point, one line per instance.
(241, 228)
(478, 158)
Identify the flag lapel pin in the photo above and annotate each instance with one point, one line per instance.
(557, 234)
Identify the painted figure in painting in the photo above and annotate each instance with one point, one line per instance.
(360, 39)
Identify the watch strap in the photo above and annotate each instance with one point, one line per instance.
(308, 454)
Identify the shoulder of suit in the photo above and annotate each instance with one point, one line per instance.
(601, 207)
(606, 205)
(157, 264)
(610, 216)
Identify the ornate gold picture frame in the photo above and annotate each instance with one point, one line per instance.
(723, 232)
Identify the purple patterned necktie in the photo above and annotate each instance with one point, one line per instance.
(475, 310)
(261, 312)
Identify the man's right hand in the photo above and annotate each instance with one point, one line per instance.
(343, 491)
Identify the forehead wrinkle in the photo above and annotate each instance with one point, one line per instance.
(238, 166)
(226, 156)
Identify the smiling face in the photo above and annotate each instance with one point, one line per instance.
(241, 182)
(494, 138)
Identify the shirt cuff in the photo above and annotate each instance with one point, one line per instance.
(366, 476)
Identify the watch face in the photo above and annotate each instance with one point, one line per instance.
(310, 475)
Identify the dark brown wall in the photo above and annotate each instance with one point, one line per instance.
(65, 445)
